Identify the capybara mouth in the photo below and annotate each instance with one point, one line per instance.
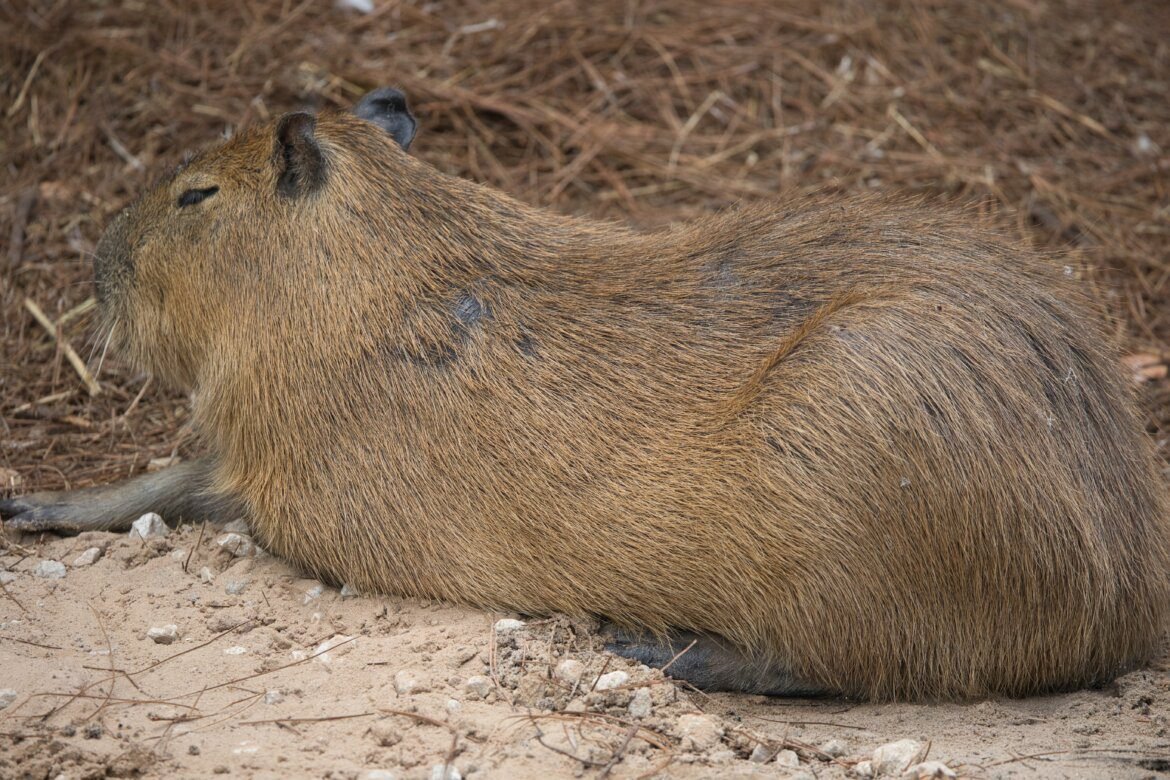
(113, 265)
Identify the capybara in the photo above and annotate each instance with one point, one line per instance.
(852, 445)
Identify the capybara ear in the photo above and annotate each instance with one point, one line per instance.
(386, 107)
(299, 161)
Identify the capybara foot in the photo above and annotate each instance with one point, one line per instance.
(707, 662)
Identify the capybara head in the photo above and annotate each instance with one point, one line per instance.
(181, 266)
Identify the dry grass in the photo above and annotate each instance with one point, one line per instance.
(1053, 116)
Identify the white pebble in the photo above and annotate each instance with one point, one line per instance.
(607, 682)
(237, 544)
(149, 526)
(507, 625)
(179, 554)
(361, 6)
(893, 758)
(333, 647)
(274, 696)
(206, 576)
(445, 772)
(788, 758)
(89, 557)
(314, 593)
(569, 671)
(930, 770)
(237, 526)
(237, 650)
(863, 769)
(349, 591)
(50, 570)
(698, 732)
(835, 748)
(478, 685)
(408, 681)
(7, 696)
(235, 587)
(7, 577)
(641, 704)
(760, 755)
(163, 635)
(453, 706)
(378, 774)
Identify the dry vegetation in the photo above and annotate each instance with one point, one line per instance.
(1051, 116)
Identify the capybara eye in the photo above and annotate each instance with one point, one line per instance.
(191, 197)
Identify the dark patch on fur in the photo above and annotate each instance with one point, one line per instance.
(527, 345)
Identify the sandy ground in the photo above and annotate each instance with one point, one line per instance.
(273, 675)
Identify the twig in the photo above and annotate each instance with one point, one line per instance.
(70, 354)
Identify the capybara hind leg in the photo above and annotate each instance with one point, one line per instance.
(707, 662)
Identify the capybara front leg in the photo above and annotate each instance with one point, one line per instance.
(180, 493)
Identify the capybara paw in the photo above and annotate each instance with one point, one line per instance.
(708, 662)
(44, 512)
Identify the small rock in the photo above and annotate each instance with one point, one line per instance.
(238, 545)
(863, 769)
(408, 681)
(788, 758)
(478, 685)
(569, 671)
(274, 696)
(453, 706)
(163, 635)
(445, 772)
(332, 648)
(508, 625)
(88, 558)
(314, 593)
(835, 748)
(577, 705)
(607, 682)
(893, 758)
(179, 554)
(929, 770)
(149, 526)
(237, 650)
(7, 696)
(7, 577)
(760, 755)
(378, 774)
(235, 587)
(348, 592)
(641, 705)
(50, 570)
(93, 731)
(237, 526)
(698, 732)
(226, 621)
(206, 576)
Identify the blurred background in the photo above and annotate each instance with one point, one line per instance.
(1049, 117)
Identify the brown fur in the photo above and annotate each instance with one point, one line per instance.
(867, 440)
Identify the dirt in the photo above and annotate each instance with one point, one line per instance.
(273, 675)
